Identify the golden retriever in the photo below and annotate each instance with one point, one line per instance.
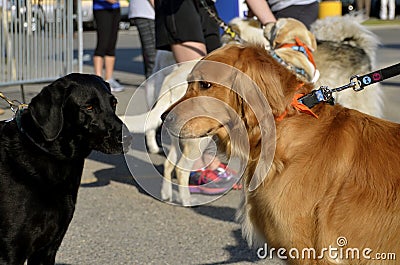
(331, 179)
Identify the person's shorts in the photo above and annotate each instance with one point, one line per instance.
(305, 13)
(180, 21)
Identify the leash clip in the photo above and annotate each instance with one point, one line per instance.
(354, 84)
(355, 81)
(323, 94)
(15, 105)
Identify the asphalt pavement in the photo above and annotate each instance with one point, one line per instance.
(117, 222)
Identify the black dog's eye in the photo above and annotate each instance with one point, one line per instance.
(89, 107)
(205, 85)
(114, 103)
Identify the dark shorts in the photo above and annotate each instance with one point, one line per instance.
(305, 13)
(180, 21)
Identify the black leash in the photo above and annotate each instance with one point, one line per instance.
(357, 83)
(225, 27)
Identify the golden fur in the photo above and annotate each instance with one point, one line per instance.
(332, 176)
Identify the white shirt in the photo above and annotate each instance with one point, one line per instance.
(141, 8)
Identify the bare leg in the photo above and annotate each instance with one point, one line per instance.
(98, 63)
(109, 63)
(188, 51)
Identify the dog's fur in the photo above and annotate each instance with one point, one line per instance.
(331, 176)
(41, 161)
(334, 70)
(344, 48)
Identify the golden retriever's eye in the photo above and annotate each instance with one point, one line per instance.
(205, 85)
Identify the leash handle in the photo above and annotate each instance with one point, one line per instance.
(375, 77)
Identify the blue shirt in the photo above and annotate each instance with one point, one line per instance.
(103, 4)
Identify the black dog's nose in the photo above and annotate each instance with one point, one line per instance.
(168, 116)
(126, 136)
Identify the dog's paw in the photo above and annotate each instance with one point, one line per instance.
(184, 196)
(154, 149)
(166, 191)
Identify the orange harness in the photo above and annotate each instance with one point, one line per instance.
(301, 47)
(297, 105)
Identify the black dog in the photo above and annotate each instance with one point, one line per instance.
(42, 152)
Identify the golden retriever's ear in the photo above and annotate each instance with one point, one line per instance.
(251, 98)
(263, 84)
(258, 118)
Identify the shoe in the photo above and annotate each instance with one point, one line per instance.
(115, 86)
(212, 182)
(224, 172)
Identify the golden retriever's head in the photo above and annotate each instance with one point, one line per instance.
(231, 83)
(236, 93)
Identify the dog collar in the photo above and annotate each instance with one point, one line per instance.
(298, 105)
(17, 117)
(300, 47)
(295, 69)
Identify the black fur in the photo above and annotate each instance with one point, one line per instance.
(42, 153)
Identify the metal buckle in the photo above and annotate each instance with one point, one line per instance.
(356, 83)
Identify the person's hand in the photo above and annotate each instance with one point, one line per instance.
(113, 1)
(261, 10)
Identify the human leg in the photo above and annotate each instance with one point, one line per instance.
(113, 27)
(146, 28)
(179, 29)
(102, 30)
(109, 62)
(392, 9)
(383, 11)
(98, 64)
(367, 7)
(360, 5)
(188, 51)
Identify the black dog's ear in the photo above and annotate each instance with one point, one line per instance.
(46, 108)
